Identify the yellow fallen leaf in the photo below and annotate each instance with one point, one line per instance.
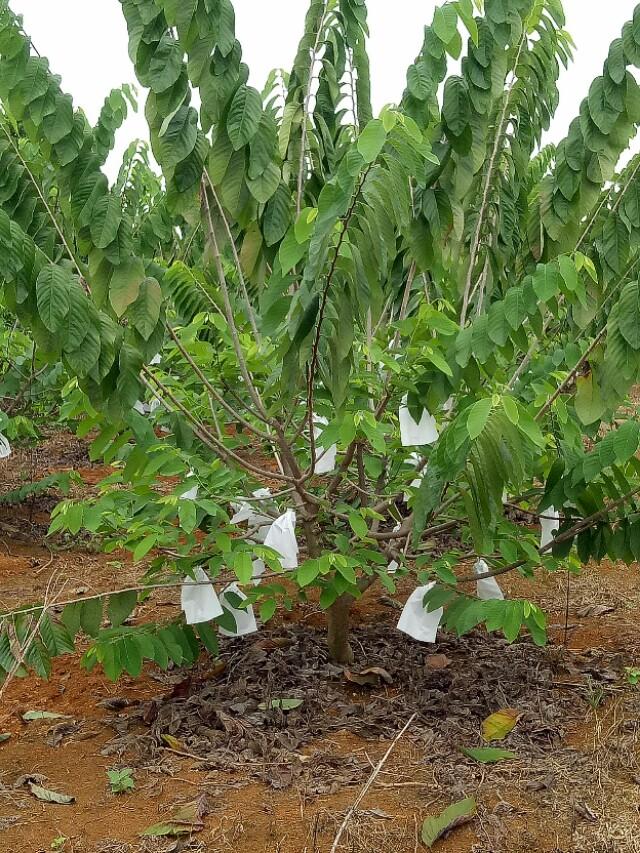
(173, 742)
(498, 725)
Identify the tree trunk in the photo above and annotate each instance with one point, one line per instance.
(338, 630)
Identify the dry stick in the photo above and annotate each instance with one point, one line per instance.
(24, 647)
(369, 784)
(475, 246)
(243, 286)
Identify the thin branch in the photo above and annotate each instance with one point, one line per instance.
(243, 286)
(475, 245)
(242, 364)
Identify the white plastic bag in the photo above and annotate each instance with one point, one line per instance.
(199, 600)
(448, 406)
(487, 589)
(549, 524)
(282, 538)
(245, 619)
(156, 359)
(414, 434)
(325, 457)
(5, 447)
(415, 621)
(141, 407)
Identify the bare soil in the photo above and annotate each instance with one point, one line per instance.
(266, 781)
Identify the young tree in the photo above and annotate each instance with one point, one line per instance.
(311, 276)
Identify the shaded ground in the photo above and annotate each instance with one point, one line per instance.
(261, 781)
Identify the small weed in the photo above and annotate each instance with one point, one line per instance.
(633, 675)
(594, 694)
(121, 781)
(59, 842)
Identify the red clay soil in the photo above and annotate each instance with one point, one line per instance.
(593, 806)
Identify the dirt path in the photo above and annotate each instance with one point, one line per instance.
(261, 781)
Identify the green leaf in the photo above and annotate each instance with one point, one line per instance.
(243, 566)
(308, 572)
(131, 655)
(456, 107)
(358, 525)
(435, 827)
(52, 291)
(144, 313)
(588, 401)
(105, 220)
(478, 417)
(125, 285)
(244, 116)
(121, 606)
(511, 409)
(445, 23)
(629, 314)
(91, 616)
(488, 754)
(372, 140)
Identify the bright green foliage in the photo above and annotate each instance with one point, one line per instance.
(301, 257)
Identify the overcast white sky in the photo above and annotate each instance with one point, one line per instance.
(86, 42)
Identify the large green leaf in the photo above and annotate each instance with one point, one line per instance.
(126, 285)
(244, 116)
(52, 290)
(588, 402)
(629, 314)
(435, 827)
(144, 313)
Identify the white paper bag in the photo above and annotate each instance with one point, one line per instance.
(282, 538)
(5, 447)
(192, 493)
(415, 621)
(393, 566)
(549, 524)
(415, 460)
(245, 619)
(259, 569)
(199, 600)
(487, 589)
(249, 511)
(325, 461)
(414, 434)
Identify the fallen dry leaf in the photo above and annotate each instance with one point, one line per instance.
(48, 796)
(372, 676)
(498, 725)
(173, 742)
(436, 662)
(594, 610)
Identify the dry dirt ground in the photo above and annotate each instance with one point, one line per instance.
(264, 781)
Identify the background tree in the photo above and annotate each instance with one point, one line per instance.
(300, 260)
